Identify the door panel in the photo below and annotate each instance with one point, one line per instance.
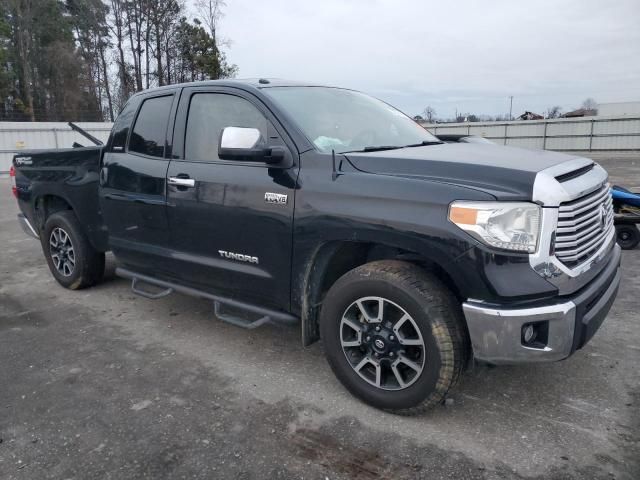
(133, 189)
(226, 238)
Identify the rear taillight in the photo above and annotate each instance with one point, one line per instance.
(12, 176)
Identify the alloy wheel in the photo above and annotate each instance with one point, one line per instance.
(62, 252)
(382, 343)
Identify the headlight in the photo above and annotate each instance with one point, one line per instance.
(507, 225)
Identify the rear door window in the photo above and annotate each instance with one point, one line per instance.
(150, 130)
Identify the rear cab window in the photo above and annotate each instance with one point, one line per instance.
(121, 127)
(149, 133)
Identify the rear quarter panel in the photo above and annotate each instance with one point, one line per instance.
(70, 174)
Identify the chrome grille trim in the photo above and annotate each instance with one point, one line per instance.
(584, 202)
(569, 276)
(581, 231)
(573, 240)
(576, 223)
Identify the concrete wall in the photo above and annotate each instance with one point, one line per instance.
(566, 134)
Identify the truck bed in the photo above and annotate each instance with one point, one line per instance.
(59, 179)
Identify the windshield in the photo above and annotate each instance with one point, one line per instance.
(344, 120)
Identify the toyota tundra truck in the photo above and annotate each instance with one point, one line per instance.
(329, 209)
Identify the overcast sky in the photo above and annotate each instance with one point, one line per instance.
(450, 54)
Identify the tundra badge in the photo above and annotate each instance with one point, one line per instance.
(238, 256)
(277, 198)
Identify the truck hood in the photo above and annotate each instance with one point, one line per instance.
(507, 173)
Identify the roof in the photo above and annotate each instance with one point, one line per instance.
(581, 112)
(244, 83)
(530, 116)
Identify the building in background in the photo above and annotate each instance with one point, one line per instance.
(530, 116)
(619, 109)
(580, 112)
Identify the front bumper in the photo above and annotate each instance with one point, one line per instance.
(496, 334)
(26, 226)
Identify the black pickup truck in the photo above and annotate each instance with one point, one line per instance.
(296, 203)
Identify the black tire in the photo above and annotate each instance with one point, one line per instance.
(434, 310)
(87, 268)
(628, 236)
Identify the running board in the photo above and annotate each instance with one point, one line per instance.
(239, 321)
(265, 315)
(143, 293)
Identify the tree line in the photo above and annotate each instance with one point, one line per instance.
(80, 60)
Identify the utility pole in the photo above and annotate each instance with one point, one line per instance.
(511, 107)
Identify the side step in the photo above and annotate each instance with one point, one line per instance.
(265, 315)
(145, 293)
(239, 321)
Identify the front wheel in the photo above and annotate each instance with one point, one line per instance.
(394, 336)
(628, 236)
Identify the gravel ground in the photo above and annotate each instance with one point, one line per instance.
(101, 383)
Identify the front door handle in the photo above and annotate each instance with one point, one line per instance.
(182, 182)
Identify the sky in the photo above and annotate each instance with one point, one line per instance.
(453, 55)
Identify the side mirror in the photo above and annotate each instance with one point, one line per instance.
(247, 144)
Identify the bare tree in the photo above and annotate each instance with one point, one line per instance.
(589, 104)
(102, 50)
(137, 25)
(210, 12)
(163, 19)
(429, 114)
(117, 28)
(22, 31)
(554, 112)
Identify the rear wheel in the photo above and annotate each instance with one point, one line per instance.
(628, 236)
(73, 261)
(394, 336)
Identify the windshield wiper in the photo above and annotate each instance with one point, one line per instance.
(375, 148)
(380, 148)
(424, 143)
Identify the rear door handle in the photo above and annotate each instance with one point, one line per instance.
(182, 182)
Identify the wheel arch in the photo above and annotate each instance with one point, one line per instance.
(46, 205)
(85, 207)
(333, 259)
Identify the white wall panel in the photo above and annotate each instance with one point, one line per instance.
(485, 130)
(616, 143)
(526, 129)
(568, 128)
(567, 143)
(617, 127)
(18, 136)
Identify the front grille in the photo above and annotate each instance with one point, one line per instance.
(583, 226)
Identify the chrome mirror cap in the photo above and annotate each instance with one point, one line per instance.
(239, 137)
